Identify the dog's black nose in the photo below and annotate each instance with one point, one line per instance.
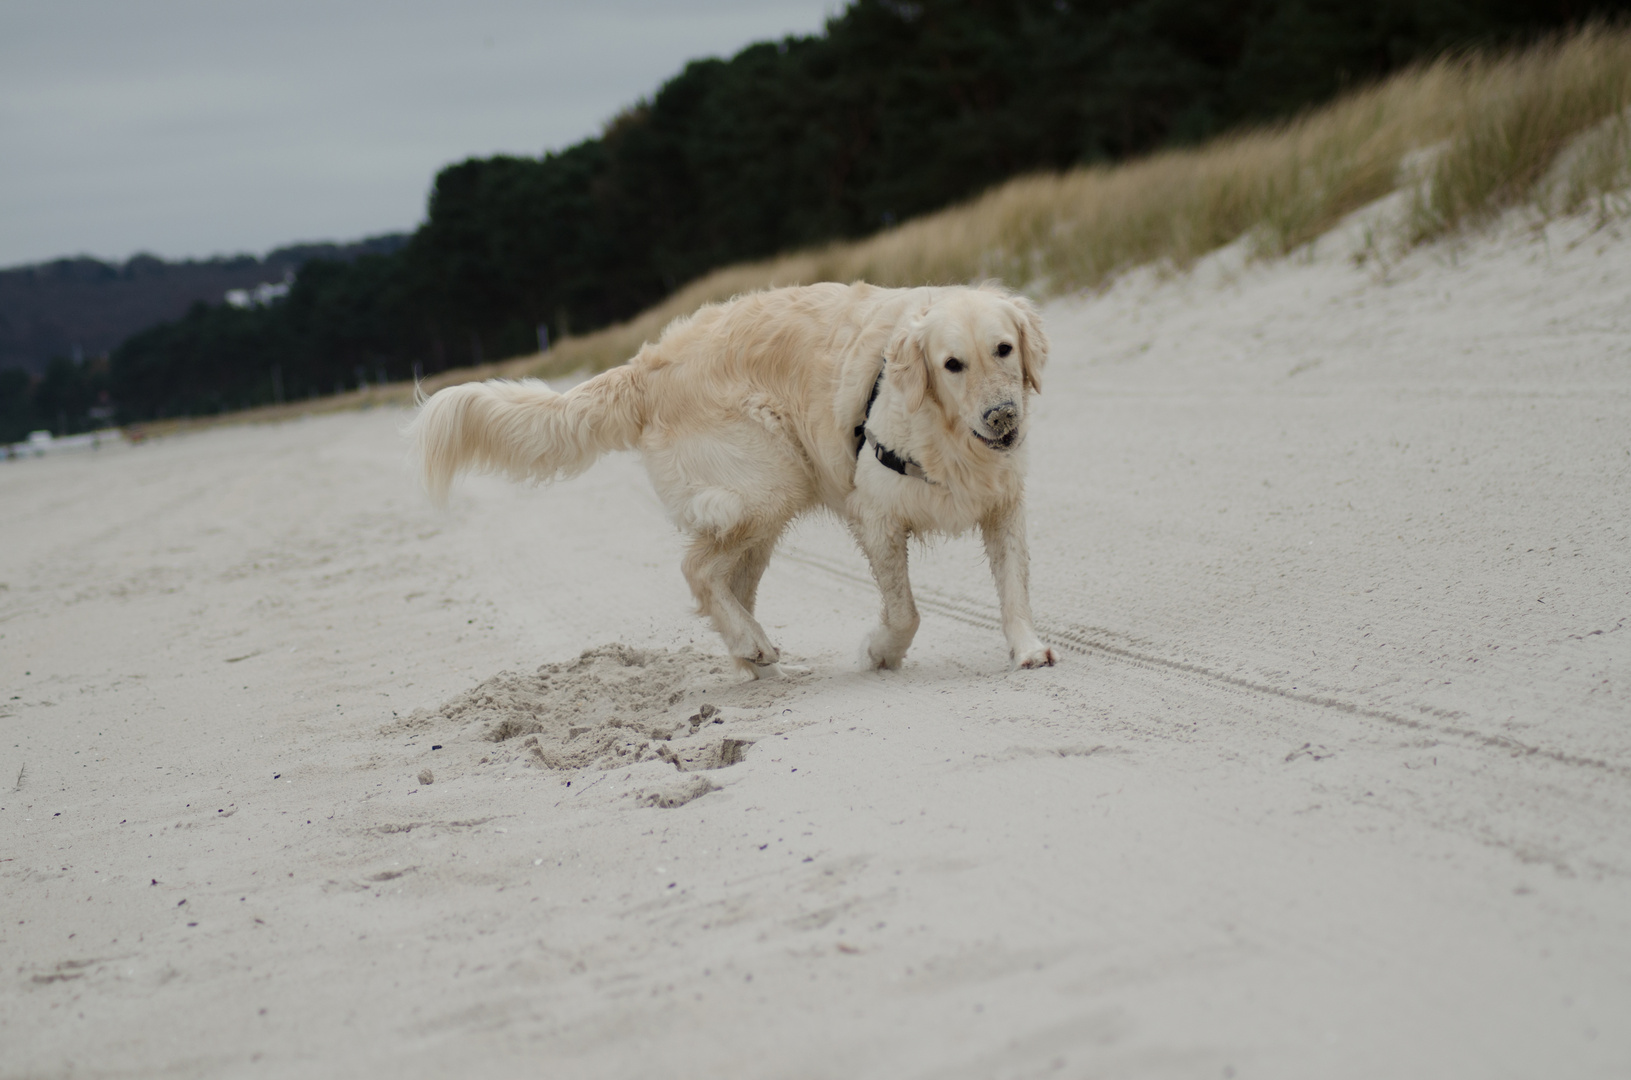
(1002, 418)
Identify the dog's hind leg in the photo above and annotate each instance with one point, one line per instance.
(732, 490)
(745, 587)
(715, 568)
(749, 569)
(885, 548)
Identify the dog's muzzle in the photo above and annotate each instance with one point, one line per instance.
(1003, 420)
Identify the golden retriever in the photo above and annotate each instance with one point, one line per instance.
(903, 411)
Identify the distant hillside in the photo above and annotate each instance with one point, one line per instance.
(86, 305)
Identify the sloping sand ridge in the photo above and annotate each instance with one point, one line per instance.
(1335, 779)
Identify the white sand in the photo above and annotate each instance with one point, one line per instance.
(1335, 779)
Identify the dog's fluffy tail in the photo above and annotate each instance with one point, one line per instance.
(525, 430)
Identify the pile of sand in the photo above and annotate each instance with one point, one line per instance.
(613, 706)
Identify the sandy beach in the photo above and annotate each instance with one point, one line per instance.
(1334, 779)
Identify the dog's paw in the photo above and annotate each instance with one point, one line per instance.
(759, 669)
(884, 651)
(1041, 656)
(761, 656)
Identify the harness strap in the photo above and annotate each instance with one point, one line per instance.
(866, 414)
(886, 457)
(903, 465)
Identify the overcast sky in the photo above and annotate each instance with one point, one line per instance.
(203, 127)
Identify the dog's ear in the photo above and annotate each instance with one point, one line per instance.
(1033, 342)
(907, 365)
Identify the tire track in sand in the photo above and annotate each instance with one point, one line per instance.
(1099, 641)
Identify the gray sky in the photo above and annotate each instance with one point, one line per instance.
(202, 127)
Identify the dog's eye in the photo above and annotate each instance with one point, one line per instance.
(1004, 349)
(954, 365)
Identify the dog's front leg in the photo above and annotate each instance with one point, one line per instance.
(885, 548)
(1004, 534)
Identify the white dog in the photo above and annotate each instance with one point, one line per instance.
(901, 410)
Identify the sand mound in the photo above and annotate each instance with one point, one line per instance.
(613, 705)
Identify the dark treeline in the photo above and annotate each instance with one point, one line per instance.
(60, 319)
(71, 396)
(897, 109)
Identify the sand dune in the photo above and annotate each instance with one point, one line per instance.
(1335, 779)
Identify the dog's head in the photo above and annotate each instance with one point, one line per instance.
(974, 353)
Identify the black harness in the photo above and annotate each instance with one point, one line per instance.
(886, 457)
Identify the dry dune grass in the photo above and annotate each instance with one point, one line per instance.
(1496, 127)
(1515, 117)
